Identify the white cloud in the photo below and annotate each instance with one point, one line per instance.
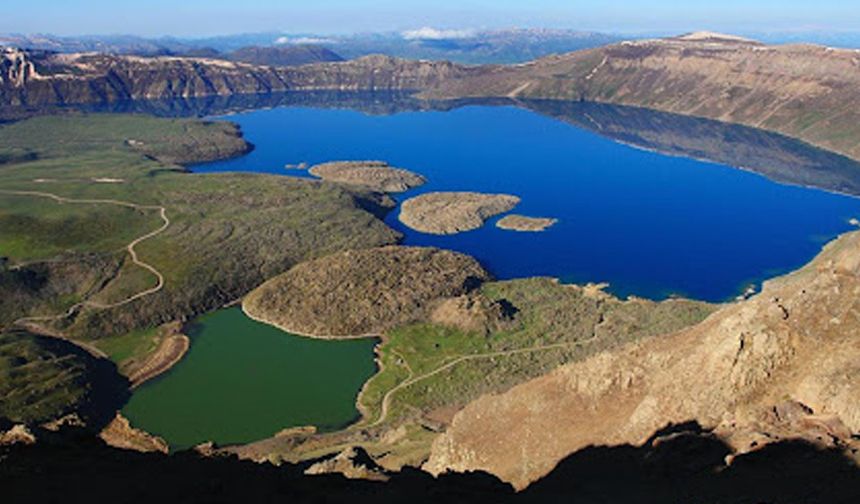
(303, 40)
(428, 33)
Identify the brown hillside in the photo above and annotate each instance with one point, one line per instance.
(784, 364)
(803, 91)
(362, 292)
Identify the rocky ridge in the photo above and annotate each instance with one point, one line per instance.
(42, 78)
(780, 365)
(798, 90)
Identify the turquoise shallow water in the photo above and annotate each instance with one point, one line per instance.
(649, 224)
(242, 381)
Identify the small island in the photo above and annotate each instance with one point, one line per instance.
(453, 212)
(363, 292)
(376, 175)
(516, 222)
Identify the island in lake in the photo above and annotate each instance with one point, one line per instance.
(376, 175)
(453, 212)
(515, 222)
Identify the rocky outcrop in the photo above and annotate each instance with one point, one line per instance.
(353, 463)
(453, 212)
(473, 312)
(522, 223)
(17, 434)
(15, 68)
(797, 90)
(363, 292)
(120, 434)
(783, 364)
(375, 175)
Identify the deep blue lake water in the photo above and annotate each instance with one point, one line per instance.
(649, 224)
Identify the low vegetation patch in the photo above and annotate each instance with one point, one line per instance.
(436, 367)
(42, 379)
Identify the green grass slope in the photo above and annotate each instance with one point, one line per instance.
(227, 232)
(42, 379)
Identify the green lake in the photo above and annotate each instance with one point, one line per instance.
(243, 381)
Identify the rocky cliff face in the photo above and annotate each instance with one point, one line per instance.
(802, 91)
(45, 78)
(784, 364)
(15, 68)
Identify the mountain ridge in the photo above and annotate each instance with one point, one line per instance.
(800, 91)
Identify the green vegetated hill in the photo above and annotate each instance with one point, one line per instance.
(219, 236)
(42, 379)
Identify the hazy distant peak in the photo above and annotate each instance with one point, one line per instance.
(428, 33)
(304, 41)
(707, 36)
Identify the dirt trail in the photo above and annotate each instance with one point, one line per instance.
(32, 321)
(386, 400)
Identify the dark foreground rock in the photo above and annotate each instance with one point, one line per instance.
(676, 465)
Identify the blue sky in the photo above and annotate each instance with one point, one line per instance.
(209, 17)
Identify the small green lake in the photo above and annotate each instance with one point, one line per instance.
(242, 381)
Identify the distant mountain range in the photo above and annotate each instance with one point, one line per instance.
(480, 47)
(283, 55)
(460, 46)
(476, 47)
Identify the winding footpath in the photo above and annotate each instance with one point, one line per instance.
(411, 380)
(29, 321)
